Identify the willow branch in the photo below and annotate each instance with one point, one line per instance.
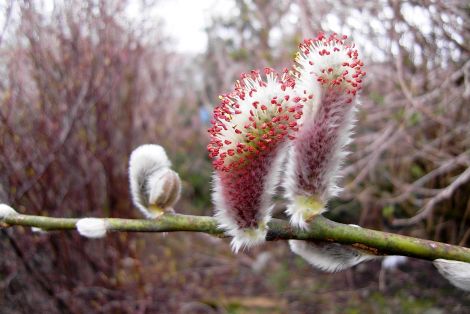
(320, 229)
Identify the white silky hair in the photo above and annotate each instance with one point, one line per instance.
(93, 228)
(456, 272)
(393, 261)
(331, 173)
(305, 82)
(296, 214)
(6, 211)
(329, 257)
(38, 230)
(262, 94)
(148, 165)
(314, 63)
(246, 238)
(309, 67)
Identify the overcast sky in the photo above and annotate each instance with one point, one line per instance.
(185, 21)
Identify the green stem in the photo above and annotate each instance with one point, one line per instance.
(320, 228)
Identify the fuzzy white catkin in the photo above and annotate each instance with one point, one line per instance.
(6, 210)
(457, 273)
(393, 261)
(92, 227)
(329, 257)
(38, 230)
(152, 181)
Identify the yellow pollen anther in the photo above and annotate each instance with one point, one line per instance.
(311, 206)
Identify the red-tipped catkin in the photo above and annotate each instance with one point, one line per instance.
(329, 74)
(250, 130)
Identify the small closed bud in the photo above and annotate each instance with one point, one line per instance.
(6, 211)
(92, 227)
(154, 186)
(165, 189)
(457, 273)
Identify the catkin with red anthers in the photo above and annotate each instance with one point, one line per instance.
(249, 134)
(328, 75)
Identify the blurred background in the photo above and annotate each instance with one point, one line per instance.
(85, 82)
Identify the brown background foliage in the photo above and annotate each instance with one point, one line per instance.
(83, 84)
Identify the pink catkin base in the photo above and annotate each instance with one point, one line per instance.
(318, 141)
(244, 190)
